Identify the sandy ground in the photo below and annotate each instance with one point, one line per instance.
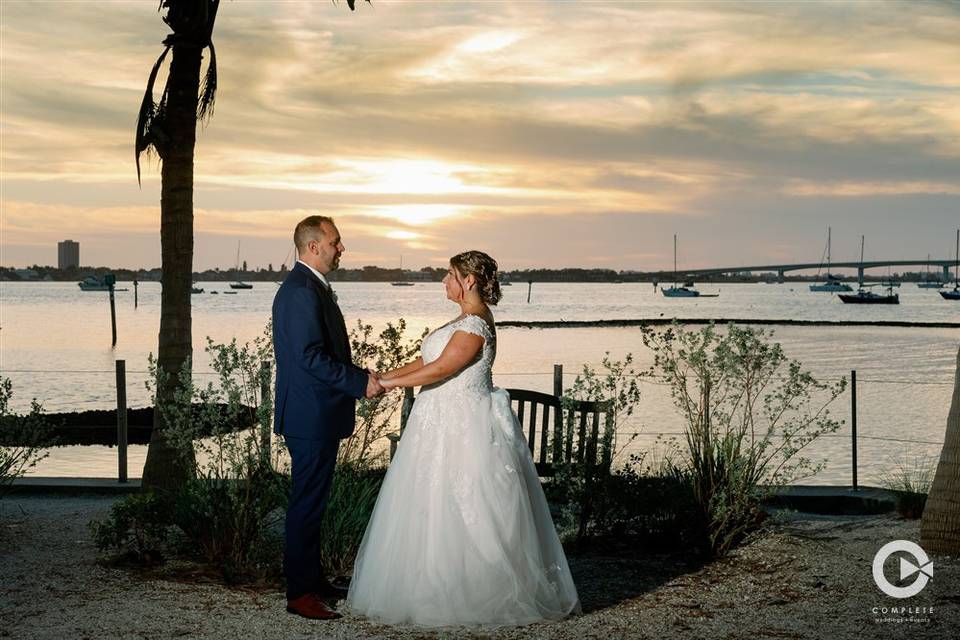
(808, 577)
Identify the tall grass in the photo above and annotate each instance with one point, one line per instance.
(352, 498)
(910, 481)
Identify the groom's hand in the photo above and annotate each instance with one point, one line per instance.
(374, 388)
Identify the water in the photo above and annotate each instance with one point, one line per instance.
(55, 346)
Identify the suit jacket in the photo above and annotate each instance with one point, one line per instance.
(317, 383)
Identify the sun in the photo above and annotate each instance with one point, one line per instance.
(415, 215)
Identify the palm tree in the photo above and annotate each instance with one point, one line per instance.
(940, 526)
(168, 128)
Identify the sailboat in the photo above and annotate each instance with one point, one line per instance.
(686, 291)
(865, 296)
(927, 283)
(401, 282)
(239, 284)
(955, 294)
(833, 283)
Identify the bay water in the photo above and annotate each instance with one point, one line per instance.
(55, 347)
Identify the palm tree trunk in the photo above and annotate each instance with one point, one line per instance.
(940, 526)
(166, 467)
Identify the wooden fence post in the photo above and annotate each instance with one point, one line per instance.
(853, 426)
(122, 420)
(558, 380)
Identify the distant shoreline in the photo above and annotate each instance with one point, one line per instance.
(562, 324)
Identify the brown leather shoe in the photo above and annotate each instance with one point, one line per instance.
(309, 606)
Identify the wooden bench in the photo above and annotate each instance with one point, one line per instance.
(541, 418)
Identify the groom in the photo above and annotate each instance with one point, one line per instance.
(317, 387)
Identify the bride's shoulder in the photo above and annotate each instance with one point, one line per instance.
(476, 325)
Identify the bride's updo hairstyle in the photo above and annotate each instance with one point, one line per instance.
(484, 269)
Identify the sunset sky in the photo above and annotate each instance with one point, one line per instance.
(581, 134)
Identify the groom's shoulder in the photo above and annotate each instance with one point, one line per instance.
(296, 281)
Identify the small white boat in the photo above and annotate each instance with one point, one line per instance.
(680, 292)
(93, 283)
(832, 287)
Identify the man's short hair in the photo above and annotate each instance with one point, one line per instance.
(310, 228)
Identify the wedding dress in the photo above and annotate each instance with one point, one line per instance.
(461, 532)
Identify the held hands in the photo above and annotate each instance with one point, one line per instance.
(374, 388)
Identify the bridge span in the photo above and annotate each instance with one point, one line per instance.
(780, 269)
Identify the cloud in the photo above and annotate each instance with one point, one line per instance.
(414, 121)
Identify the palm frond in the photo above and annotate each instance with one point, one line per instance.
(148, 113)
(208, 92)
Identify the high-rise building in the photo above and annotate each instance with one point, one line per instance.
(68, 254)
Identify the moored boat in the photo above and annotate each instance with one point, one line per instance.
(832, 283)
(865, 296)
(687, 290)
(93, 283)
(955, 294)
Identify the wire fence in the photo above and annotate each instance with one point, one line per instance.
(100, 394)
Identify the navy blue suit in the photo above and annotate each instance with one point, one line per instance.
(317, 388)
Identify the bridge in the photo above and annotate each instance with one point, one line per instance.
(783, 268)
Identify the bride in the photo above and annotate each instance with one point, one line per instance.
(461, 532)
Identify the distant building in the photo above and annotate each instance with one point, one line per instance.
(68, 254)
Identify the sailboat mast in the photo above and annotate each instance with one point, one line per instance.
(828, 250)
(956, 266)
(674, 260)
(861, 261)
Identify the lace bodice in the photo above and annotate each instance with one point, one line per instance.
(476, 376)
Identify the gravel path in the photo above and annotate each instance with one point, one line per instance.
(809, 577)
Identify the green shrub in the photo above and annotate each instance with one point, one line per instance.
(23, 438)
(376, 417)
(749, 413)
(230, 513)
(230, 509)
(138, 525)
(579, 490)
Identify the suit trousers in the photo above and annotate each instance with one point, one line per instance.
(312, 466)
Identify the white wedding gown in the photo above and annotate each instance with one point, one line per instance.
(461, 532)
